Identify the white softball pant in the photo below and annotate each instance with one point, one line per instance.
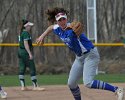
(85, 66)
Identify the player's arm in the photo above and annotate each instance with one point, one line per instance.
(40, 39)
(124, 45)
(28, 49)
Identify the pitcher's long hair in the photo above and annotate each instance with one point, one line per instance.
(51, 13)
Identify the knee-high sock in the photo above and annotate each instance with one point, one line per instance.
(34, 81)
(22, 80)
(97, 84)
(76, 93)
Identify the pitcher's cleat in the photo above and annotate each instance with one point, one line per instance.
(3, 94)
(120, 93)
(38, 89)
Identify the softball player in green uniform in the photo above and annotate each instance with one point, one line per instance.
(25, 54)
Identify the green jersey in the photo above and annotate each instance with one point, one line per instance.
(25, 36)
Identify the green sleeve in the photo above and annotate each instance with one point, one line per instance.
(26, 36)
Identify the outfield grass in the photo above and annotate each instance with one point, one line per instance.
(12, 80)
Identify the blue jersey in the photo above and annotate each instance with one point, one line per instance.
(79, 45)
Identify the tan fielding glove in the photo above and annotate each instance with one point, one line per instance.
(77, 27)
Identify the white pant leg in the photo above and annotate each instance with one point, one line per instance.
(90, 66)
(76, 73)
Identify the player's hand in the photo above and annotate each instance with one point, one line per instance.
(124, 45)
(40, 40)
(77, 27)
(30, 56)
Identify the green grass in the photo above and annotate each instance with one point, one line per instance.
(112, 78)
(12, 80)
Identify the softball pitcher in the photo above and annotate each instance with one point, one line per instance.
(87, 56)
(25, 54)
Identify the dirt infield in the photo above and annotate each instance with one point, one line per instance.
(60, 92)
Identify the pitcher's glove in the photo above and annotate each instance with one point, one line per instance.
(77, 27)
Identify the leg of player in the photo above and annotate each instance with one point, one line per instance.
(74, 76)
(97, 84)
(22, 69)
(3, 94)
(33, 76)
(90, 66)
(22, 82)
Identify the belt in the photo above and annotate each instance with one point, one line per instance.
(88, 51)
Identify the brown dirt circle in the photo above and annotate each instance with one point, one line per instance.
(59, 92)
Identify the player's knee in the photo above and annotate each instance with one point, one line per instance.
(71, 85)
(33, 73)
(21, 72)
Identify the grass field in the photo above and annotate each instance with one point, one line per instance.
(12, 80)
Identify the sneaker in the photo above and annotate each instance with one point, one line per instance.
(38, 89)
(120, 93)
(3, 94)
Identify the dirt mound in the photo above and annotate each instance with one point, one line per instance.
(60, 92)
